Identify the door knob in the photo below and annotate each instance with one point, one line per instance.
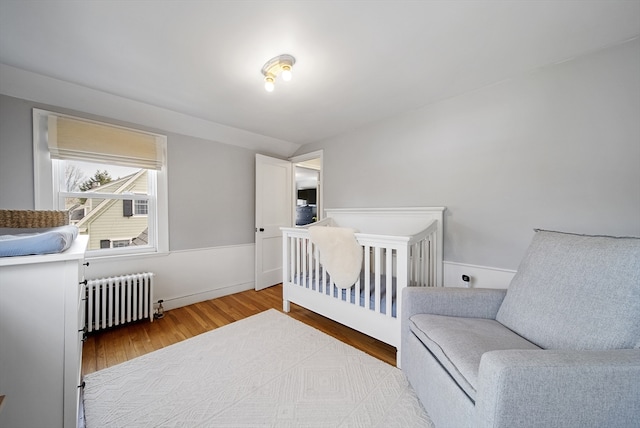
(262, 229)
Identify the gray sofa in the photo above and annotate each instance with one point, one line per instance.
(559, 348)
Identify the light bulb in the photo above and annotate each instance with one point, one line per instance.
(269, 85)
(286, 73)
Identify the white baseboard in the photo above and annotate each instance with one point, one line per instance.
(178, 302)
(479, 276)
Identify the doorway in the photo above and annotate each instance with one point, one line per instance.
(307, 198)
(277, 195)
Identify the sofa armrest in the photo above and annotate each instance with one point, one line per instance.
(518, 388)
(455, 302)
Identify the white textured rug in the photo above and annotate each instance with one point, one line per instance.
(267, 370)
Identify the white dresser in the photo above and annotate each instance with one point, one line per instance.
(41, 322)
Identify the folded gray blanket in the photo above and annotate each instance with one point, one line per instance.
(23, 242)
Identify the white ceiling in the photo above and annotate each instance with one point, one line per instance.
(357, 61)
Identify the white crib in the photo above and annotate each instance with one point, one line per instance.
(401, 247)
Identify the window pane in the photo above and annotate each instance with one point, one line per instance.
(142, 207)
(103, 221)
(119, 243)
(110, 223)
(86, 176)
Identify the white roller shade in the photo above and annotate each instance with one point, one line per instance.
(76, 139)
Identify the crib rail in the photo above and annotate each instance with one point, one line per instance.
(411, 259)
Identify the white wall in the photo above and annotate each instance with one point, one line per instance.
(558, 148)
(211, 209)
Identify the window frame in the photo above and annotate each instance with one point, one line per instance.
(48, 176)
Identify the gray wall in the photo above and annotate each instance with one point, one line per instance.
(211, 185)
(16, 154)
(211, 193)
(558, 148)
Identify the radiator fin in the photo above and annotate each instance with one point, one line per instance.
(118, 300)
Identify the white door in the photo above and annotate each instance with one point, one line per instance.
(273, 210)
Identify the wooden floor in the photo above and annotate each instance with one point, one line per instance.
(110, 347)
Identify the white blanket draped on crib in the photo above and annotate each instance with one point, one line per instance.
(340, 253)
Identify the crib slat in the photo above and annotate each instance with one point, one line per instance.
(298, 280)
(316, 266)
(423, 265)
(325, 284)
(428, 263)
(420, 266)
(377, 278)
(411, 270)
(301, 270)
(389, 280)
(356, 295)
(367, 277)
(432, 263)
(319, 275)
(310, 263)
(292, 257)
(415, 264)
(303, 262)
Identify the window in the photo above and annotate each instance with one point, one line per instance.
(137, 207)
(141, 207)
(111, 179)
(119, 243)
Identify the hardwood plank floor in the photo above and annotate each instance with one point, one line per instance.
(106, 348)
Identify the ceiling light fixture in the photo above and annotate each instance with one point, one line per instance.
(282, 65)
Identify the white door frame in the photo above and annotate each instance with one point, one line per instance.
(265, 276)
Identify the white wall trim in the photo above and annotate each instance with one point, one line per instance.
(480, 276)
(220, 247)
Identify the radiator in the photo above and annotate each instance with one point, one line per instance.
(118, 300)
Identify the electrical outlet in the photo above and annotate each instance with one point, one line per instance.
(466, 281)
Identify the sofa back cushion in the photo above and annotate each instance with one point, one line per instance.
(576, 292)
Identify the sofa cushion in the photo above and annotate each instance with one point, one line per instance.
(458, 343)
(576, 292)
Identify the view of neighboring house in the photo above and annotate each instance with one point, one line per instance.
(112, 223)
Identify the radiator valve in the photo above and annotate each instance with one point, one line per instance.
(159, 310)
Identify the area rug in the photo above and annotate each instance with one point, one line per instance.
(267, 370)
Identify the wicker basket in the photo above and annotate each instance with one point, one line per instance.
(29, 218)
